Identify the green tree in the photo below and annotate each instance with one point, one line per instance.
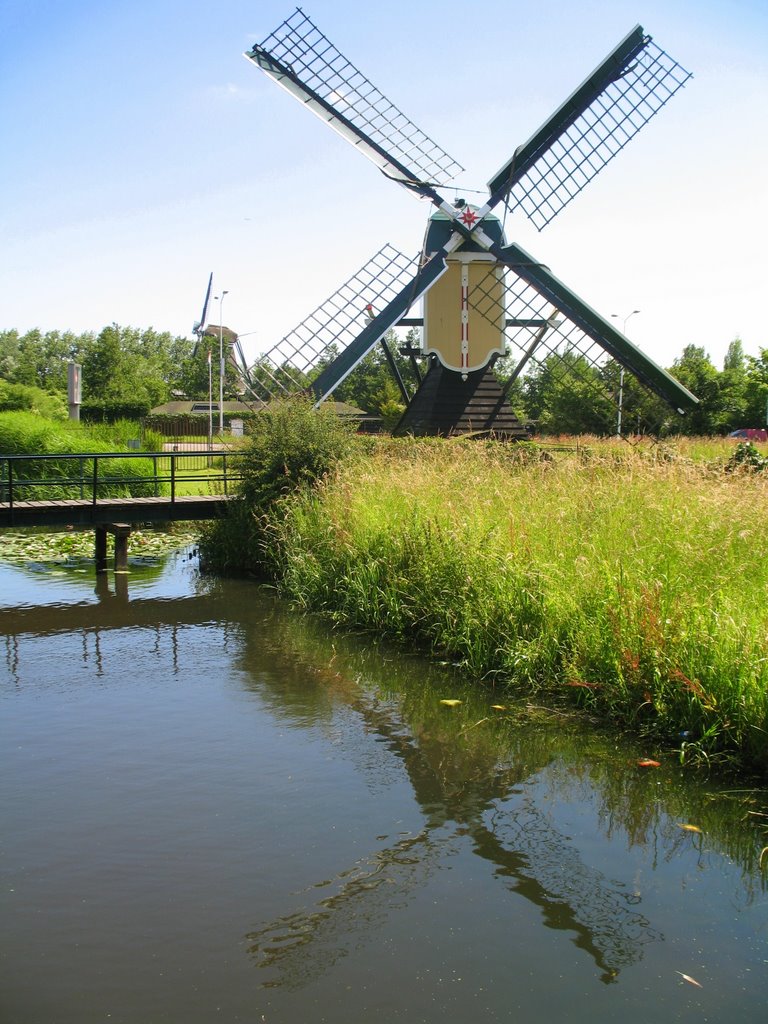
(9, 355)
(566, 394)
(756, 391)
(504, 367)
(735, 360)
(40, 360)
(192, 377)
(733, 389)
(373, 387)
(271, 380)
(104, 369)
(696, 371)
(125, 364)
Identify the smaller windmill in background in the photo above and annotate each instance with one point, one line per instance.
(231, 353)
(483, 298)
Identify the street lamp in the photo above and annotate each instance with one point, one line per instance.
(210, 403)
(624, 320)
(221, 359)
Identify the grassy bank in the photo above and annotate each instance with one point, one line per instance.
(25, 433)
(632, 584)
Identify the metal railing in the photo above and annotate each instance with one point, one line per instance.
(94, 476)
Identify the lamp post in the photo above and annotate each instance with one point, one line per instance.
(210, 404)
(624, 320)
(221, 359)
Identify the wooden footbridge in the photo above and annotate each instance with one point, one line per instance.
(114, 492)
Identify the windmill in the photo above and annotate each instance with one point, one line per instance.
(235, 357)
(483, 298)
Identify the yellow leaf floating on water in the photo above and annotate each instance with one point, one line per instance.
(688, 828)
(687, 977)
(451, 703)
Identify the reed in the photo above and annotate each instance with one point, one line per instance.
(630, 583)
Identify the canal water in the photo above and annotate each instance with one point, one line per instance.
(213, 809)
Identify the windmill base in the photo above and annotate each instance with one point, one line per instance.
(446, 405)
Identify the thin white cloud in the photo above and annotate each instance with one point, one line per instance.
(230, 92)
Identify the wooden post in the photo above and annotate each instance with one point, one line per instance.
(122, 532)
(101, 549)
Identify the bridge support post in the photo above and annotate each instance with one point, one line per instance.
(101, 549)
(121, 533)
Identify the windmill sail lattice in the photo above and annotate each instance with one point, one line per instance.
(286, 367)
(634, 82)
(301, 59)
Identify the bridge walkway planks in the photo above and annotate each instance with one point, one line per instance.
(86, 512)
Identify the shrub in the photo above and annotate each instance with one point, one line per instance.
(746, 457)
(25, 398)
(97, 411)
(291, 446)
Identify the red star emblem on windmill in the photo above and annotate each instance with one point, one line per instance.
(469, 217)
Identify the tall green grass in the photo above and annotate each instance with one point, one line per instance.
(28, 434)
(631, 583)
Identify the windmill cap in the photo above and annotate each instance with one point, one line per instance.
(439, 230)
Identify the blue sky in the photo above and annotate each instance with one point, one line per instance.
(142, 152)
